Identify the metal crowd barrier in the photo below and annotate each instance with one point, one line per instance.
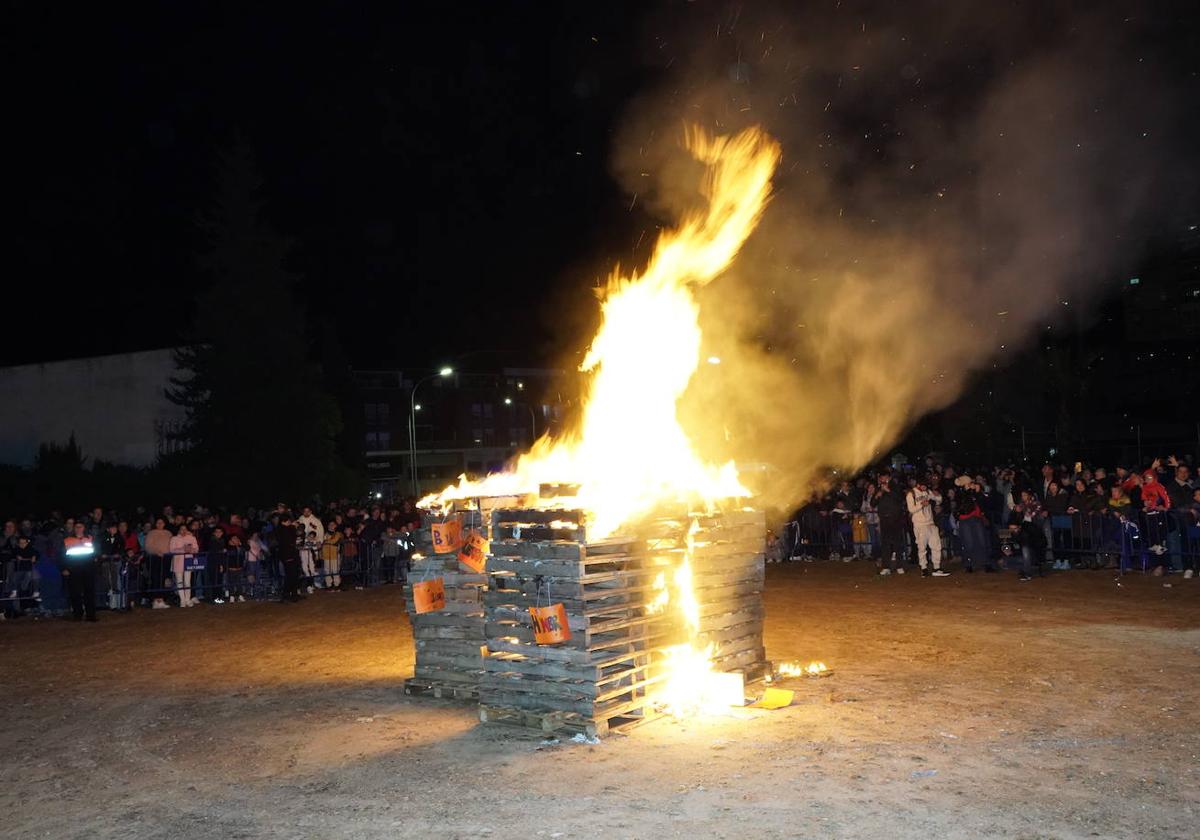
(220, 577)
(1141, 540)
(1094, 539)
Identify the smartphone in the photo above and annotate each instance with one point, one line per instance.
(1079, 466)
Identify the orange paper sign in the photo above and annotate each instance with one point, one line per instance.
(447, 536)
(550, 624)
(473, 553)
(429, 595)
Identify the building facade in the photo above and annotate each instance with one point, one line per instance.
(465, 423)
(115, 406)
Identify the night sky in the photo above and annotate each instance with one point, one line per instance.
(442, 169)
(439, 168)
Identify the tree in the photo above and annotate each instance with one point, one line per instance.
(58, 477)
(260, 425)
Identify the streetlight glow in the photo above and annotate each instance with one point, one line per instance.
(446, 371)
(508, 400)
(417, 407)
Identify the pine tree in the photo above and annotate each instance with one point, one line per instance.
(260, 426)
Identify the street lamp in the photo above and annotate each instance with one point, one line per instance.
(412, 424)
(532, 423)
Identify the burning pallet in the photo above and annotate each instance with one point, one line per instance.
(598, 679)
(604, 676)
(728, 570)
(482, 643)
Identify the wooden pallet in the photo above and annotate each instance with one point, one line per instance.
(416, 687)
(558, 722)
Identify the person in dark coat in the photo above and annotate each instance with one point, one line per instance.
(288, 553)
(893, 516)
(79, 568)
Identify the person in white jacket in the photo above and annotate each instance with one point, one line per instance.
(920, 501)
(307, 521)
(182, 546)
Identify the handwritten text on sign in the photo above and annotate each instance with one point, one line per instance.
(550, 624)
(429, 595)
(473, 553)
(447, 536)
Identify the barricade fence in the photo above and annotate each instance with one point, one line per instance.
(219, 577)
(1092, 539)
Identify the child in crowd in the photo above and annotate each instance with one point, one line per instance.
(331, 556)
(309, 547)
(235, 569)
(23, 577)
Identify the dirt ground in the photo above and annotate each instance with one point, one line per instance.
(968, 706)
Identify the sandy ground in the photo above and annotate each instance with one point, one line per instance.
(963, 707)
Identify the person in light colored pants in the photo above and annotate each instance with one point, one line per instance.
(928, 537)
(183, 546)
(920, 501)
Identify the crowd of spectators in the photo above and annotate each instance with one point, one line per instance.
(115, 560)
(1067, 517)
(928, 516)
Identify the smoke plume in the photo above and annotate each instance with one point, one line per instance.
(952, 183)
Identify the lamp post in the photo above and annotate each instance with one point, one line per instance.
(532, 422)
(412, 424)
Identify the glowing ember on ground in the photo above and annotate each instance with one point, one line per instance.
(795, 669)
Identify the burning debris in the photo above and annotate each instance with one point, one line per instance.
(795, 669)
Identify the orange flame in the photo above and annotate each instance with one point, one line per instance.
(630, 453)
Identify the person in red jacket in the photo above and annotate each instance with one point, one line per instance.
(1155, 504)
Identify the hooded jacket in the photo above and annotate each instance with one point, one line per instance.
(1154, 495)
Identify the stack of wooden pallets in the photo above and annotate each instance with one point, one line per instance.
(728, 566)
(600, 678)
(604, 676)
(450, 641)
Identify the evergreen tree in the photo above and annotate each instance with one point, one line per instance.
(260, 426)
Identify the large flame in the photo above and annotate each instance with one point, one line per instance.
(630, 453)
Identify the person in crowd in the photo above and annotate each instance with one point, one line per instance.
(1047, 479)
(351, 567)
(389, 553)
(182, 548)
(158, 547)
(871, 515)
(893, 526)
(1155, 504)
(235, 569)
(331, 556)
(288, 554)
(1028, 517)
(79, 568)
(22, 581)
(257, 558)
(839, 524)
(308, 521)
(410, 514)
(310, 549)
(920, 501)
(111, 558)
(972, 526)
(215, 546)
